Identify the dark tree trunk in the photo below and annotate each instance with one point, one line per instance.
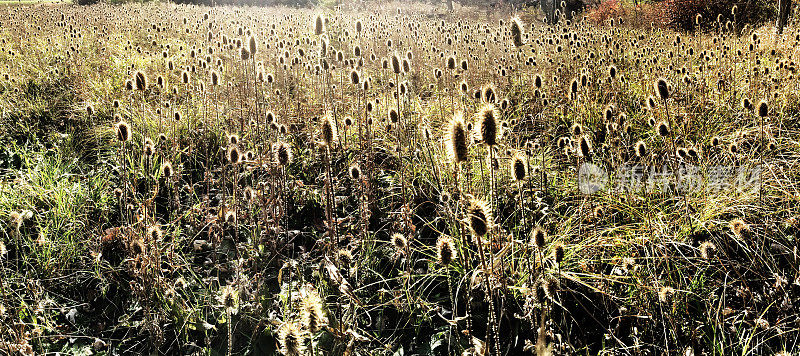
(784, 7)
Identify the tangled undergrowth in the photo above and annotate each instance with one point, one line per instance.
(178, 179)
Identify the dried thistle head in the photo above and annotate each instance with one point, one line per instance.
(229, 298)
(445, 251)
(479, 217)
(291, 339)
(487, 124)
(282, 153)
(399, 242)
(311, 313)
(457, 138)
(328, 131)
(519, 168)
(123, 131)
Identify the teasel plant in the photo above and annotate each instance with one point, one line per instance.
(328, 135)
(480, 222)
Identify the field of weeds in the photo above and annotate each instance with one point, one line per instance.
(394, 180)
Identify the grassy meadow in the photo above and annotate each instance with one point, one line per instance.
(394, 179)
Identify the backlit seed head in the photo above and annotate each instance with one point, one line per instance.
(123, 131)
(662, 88)
(282, 153)
(328, 131)
(319, 25)
(140, 81)
(233, 154)
(445, 251)
(487, 124)
(641, 149)
(479, 217)
(662, 128)
(519, 168)
(355, 172)
(516, 32)
(399, 242)
(739, 227)
(457, 139)
(291, 339)
(763, 109)
(538, 237)
(311, 314)
(558, 253)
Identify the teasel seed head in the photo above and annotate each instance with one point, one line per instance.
(355, 172)
(396, 65)
(445, 251)
(282, 153)
(488, 95)
(538, 237)
(457, 139)
(739, 227)
(516, 32)
(479, 217)
(319, 25)
(763, 109)
(641, 149)
(123, 131)
(291, 339)
(665, 293)
(662, 128)
(140, 80)
(399, 242)
(519, 168)
(487, 124)
(558, 253)
(394, 117)
(585, 146)
(311, 314)
(662, 88)
(154, 233)
(707, 249)
(234, 157)
(328, 131)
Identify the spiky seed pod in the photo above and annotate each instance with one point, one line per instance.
(140, 80)
(233, 154)
(154, 233)
(558, 253)
(282, 153)
(537, 81)
(185, 77)
(252, 44)
(763, 109)
(129, 85)
(585, 147)
(123, 131)
(394, 117)
(739, 227)
(406, 65)
(746, 104)
(89, 110)
(662, 88)
(487, 124)
(641, 149)
(733, 148)
(355, 77)
(399, 242)
(457, 139)
(516, 32)
(328, 131)
(538, 237)
(479, 217)
(311, 313)
(451, 63)
(16, 220)
(519, 168)
(663, 128)
(550, 288)
(291, 340)
(319, 25)
(355, 172)
(488, 94)
(665, 293)
(148, 148)
(396, 65)
(244, 54)
(445, 250)
(214, 78)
